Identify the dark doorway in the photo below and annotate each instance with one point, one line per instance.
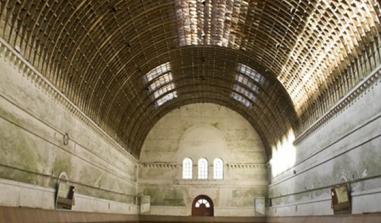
(202, 206)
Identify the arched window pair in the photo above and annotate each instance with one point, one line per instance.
(218, 169)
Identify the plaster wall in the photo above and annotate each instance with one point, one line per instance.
(203, 131)
(347, 148)
(33, 154)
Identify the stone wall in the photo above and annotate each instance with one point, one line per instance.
(346, 148)
(203, 131)
(33, 122)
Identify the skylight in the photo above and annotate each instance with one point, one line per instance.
(211, 22)
(158, 71)
(245, 81)
(250, 72)
(247, 76)
(160, 81)
(166, 98)
(241, 99)
(244, 92)
(163, 90)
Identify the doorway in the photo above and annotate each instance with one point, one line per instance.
(202, 206)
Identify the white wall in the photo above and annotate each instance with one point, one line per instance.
(210, 131)
(32, 152)
(347, 148)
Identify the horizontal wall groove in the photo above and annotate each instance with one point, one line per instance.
(366, 192)
(325, 161)
(367, 122)
(124, 178)
(302, 202)
(70, 181)
(327, 187)
(354, 194)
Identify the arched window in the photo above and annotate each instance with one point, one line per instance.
(202, 169)
(218, 169)
(202, 201)
(187, 168)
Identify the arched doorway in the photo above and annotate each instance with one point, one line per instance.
(202, 206)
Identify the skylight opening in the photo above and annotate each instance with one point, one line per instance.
(166, 98)
(211, 22)
(163, 90)
(241, 99)
(246, 81)
(158, 71)
(161, 82)
(251, 73)
(251, 79)
(250, 95)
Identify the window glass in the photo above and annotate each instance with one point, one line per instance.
(187, 168)
(246, 81)
(202, 201)
(244, 92)
(202, 169)
(250, 72)
(218, 169)
(250, 78)
(160, 81)
(166, 98)
(241, 99)
(158, 71)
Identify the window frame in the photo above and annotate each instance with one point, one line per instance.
(218, 174)
(187, 171)
(202, 169)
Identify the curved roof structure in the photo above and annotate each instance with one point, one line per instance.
(126, 63)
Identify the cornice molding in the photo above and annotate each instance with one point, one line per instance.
(246, 166)
(343, 103)
(162, 165)
(170, 165)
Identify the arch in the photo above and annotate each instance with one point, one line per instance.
(102, 76)
(202, 206)
(218, 169)
(255, 123)
(202, 169)
(202, 140)
(187, 168)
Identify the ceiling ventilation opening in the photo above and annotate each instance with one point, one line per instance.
(247, 85)
(242, 99)
(161, 84)
(207, 22)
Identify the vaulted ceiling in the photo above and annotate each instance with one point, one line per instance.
(126, 63)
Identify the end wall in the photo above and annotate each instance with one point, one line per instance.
(209, 131)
